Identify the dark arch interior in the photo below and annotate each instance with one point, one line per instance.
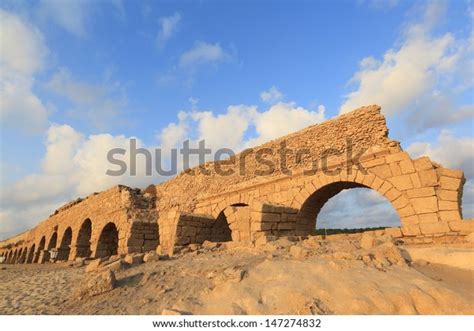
(221, 231)
(108, 241)
(83, 245)
(20, 254)
(53, 241)
(65, 248)
(31, 254)
(23, 255)
(40, 248)
(52, 244)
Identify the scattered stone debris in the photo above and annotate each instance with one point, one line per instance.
(134, 258)
(93, 265)
(98, 283)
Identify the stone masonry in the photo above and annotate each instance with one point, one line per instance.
(257, 193)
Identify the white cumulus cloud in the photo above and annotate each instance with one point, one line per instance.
(272, 95)
(449, 150)
(22, 55)
(416, 73)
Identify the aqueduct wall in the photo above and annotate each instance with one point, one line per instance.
(256, 194)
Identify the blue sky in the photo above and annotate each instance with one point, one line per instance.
(79, 77)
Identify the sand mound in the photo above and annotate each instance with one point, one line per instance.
(341, 275)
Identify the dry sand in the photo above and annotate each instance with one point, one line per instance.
(324, 278)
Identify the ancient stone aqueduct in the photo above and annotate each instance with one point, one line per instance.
(200, 205)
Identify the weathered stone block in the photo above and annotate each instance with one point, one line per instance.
(93, 265)
(449, 183)
(401, 202)
(374, 162)
(448, 195)
(410, 230)
(271, 217)
(451, 173)
(188, 231)
(395, 168)
(421, 192)
(406, 211)
(448, 205)
(397, 157)
(367, 240)
(432, 228)
(449, 215)
(428, 177)
(425, 205)
(462, 226)
(392, 194)
(382, 171)
(98, 284)
(394, 232)
(423, 163)
(407, 167)
(415, 179)
(428, 218)
(402, 182)
(410, 220)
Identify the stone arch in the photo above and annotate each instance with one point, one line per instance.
(319, 189)
(83, 242)
(18, 257)
(215, 208)
(40, 250)
(107, 244)
(23, 255)
(52, 244)
(53, 241)
(15, 256)
(10, 256)
(65, 246)
(31, 254)
(232, 223)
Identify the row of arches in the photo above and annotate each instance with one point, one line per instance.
(52, 250)
(356, 206)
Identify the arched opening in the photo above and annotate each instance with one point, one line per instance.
(15, 256)
(52, 244)
(221, 229)
(83, 244)
(40, 249)
(9, 257)
(108, 241)
(345, 207)
(31, 254)
(23, 255)
(18, 257)
(65, 247)
(53, 241)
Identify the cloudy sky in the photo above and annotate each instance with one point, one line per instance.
(78, 78)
